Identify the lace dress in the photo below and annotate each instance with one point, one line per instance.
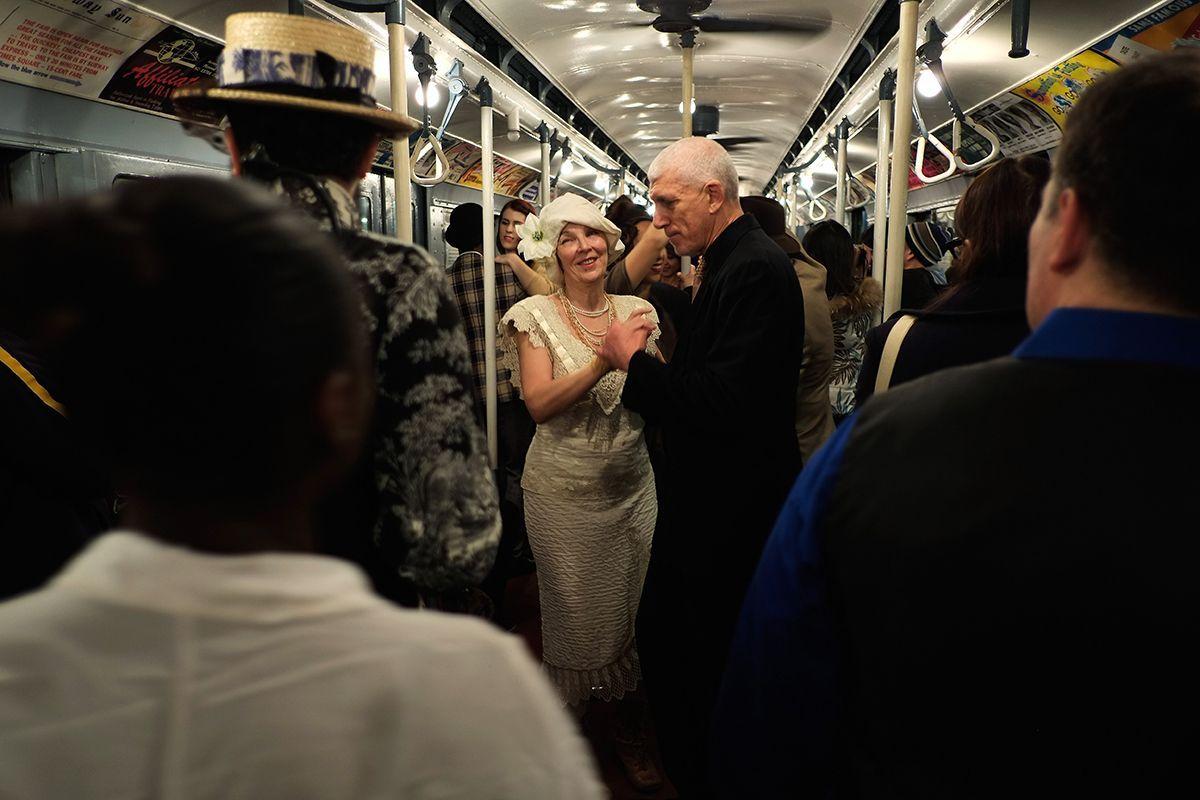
(590, 510)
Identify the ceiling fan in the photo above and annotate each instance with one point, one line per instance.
(678, 16)
(706, 121)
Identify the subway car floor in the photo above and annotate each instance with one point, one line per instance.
(521, 602)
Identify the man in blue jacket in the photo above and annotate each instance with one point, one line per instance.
(1024, 629)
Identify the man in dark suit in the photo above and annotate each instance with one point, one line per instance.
(726, 403)
(1028, 628)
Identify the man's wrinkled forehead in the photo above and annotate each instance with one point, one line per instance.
(668, 186)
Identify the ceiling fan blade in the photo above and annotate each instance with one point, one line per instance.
(819, 23)
(737, 141)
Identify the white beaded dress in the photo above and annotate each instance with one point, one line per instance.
(590, 510)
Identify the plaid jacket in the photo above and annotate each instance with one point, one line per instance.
(466, 278)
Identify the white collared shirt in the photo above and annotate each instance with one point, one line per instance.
(150, 671)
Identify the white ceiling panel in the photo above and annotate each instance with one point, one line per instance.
(629, 79)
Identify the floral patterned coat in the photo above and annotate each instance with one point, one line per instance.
(436, 518)
(853, 315)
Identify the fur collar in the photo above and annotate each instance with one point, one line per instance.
(867, 297)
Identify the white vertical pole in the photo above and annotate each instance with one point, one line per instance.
(489, 261)
(398, 57)
(689, 55)
(688, 41)
(793, 204)
(840, 194)
(882, 166)
(898, 202)
(544, 189)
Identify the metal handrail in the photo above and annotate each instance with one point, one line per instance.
(925, 137)
(930, 54)
(813, 205)
(426, 68)
(418, 152)
(956, 141)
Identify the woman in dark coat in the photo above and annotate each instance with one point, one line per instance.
(981, 316)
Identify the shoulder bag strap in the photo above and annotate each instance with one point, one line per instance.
(891, 349)
(26, 377)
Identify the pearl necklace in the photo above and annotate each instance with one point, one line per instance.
(583, 311)
(593, 340)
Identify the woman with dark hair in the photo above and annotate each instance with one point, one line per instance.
(209, 342)
(854, 300)
(671, 274)
(982, 315)
(508, 236)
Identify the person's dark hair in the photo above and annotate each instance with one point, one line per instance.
(867, 237)
(1120, 153)
(626, 214)
(994, 216)
(191, 322)
(306, 141)
(830, 244)
(517, 204)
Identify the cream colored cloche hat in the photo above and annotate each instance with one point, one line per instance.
(539, 233)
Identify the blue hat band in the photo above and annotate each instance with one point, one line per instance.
(252, 68)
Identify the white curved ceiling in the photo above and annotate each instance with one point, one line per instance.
(629, 80)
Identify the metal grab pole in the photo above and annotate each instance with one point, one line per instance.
(887, 94)
(793, 206)
(544, 182)
(401, 172)
(901, 142)
(484, 90)
(843, 135)
(687, 41)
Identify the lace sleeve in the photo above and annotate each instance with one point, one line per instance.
(519, 319)
(652, 342)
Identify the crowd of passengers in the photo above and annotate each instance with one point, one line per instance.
(254, 524)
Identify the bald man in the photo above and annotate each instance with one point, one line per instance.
(726, 403)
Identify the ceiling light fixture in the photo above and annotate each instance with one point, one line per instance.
(434, 95)
(927, 84)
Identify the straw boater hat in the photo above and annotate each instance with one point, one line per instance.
(539, 234)
(289, 61)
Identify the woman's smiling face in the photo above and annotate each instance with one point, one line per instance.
(582, 254)
(509, 221)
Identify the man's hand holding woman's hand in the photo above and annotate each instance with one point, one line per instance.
(626, 338)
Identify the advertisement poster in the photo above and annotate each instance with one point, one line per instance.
(70, 46)
(1021, 126)
(100, 50)
(172, 59)
(1155, 32)
(1057, 90)
(511, 179)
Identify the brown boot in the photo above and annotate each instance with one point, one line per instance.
(639, 767)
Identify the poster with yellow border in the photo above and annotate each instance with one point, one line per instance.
(1156, 32)
(1059, 88)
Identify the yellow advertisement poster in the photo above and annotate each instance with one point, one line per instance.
(1159, 31)
(1058, 89)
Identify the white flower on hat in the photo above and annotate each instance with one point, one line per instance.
(533, 243)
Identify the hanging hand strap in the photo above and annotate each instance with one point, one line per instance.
(891, 349)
